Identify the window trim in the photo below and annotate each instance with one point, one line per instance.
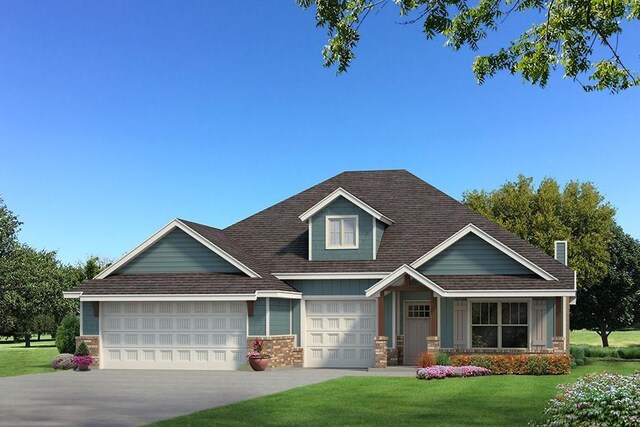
(327, 221)
(527, 301)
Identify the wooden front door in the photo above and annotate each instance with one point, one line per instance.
(416, 330)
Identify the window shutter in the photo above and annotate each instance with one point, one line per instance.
(460, 324)
(539, 325)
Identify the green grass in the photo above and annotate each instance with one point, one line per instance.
(508, 400)
(616, 339)
(15, 359)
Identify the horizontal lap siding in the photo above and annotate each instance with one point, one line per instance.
(342, 206)
(177, 252)
(446, 322)
(279, 316)
(258, 322)
(332, 287)
(379, 233)
(295, 321)
(472, 255)
(90, 320)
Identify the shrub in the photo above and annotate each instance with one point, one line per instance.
(597, 399)
(629, 352)
(523, 364)
(425, 359)
(66, 334)
(439, 372)
(62, 361)
(442, 359)
(82, 350)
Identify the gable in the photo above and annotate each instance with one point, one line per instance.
(177, 252)
(471, 255)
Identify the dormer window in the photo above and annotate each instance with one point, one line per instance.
(342, 232)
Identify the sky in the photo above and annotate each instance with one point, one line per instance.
(118, 116)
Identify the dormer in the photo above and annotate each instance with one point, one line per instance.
(343, 227)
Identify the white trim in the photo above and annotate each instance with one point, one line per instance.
(330, 276)
(290, 318)
(310, 240)
(81, 316)
(565, 331)
(176, 223)
(523, 293)
(438, 323)
(267, 316)
(566, 251)
(327, 239)
(470, 228)
(303, 323)
(350, 197)
(278, 294)
(71, 295)
(400, 271)
(393, 319)
(170, 297)
(335, 297)
(100, 333)
(373, 231)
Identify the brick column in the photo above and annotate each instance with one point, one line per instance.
(558, 345)
(93, 343)
(433, 344)
(380, 352)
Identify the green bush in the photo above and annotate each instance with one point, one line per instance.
(442, 359)
(82, 350)
(598, 399)
(629, 352)
(66, 334)
(605, 352)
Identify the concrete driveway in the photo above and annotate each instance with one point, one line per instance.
(129, 397)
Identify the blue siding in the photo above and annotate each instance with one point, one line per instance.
(177, 252)
(472, 255)
(295, 322)
(342, 206)
(551, 321)
(258, 322)
(446, 322)
(333, 287)
(388, 319)
(90, 321)
(406, 296)
(380, 227)
(279, 316)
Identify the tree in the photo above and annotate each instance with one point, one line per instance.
(581, 36)
(9, 227)
(577, 214)
(611, 304)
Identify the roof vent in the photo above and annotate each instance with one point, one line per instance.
(561, 252)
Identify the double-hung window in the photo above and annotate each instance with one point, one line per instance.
(499, 325)
(342, 232)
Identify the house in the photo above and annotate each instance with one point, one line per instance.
(365, 269)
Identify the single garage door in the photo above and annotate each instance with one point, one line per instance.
(174, 335)
(339, 334)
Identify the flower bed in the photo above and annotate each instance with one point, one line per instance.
(438, 372)
(524, 364)
(63, 361)
(596, 400)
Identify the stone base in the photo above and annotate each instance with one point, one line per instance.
(380, 352)
(392, 357)
(433, 344)
(558, 345)
(281, 348)
(93, 343)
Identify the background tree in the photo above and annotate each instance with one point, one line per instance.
(581, 36)
(611, 304)
(9, 227)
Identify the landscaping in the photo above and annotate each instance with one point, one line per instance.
(510, 400)
(616, 339)
(15, 359)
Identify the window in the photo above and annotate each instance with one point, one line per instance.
(342, 232)
(418, 311)
(499, 324)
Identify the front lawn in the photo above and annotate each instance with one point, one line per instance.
(15, 359)
(508, 400)
(616, 339)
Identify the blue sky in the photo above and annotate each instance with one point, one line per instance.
(117, 116)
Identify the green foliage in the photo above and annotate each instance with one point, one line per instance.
(9, 227)
(580, 36)
(597, 399)
(82, 350)
(584, 351)
(442, 359)
(66, 334)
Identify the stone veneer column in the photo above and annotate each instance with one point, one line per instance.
(380, 352)
(433, 344)
(93, 343)
(558, 345)
(281, 348)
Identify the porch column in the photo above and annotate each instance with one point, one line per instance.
(433, 315)
(381, 314)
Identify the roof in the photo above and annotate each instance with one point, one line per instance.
(506, 282)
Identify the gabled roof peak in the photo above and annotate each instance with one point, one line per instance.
(341, 192)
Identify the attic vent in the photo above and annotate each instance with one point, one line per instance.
(561, 252)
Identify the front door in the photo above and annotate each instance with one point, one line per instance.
(416, 330)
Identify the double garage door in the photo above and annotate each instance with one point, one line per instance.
(340, 333)
(174, 335)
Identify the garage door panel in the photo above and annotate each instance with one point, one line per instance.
(174, 335)
(339, 334)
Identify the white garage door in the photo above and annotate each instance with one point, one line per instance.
(174, 335)
(339, 334)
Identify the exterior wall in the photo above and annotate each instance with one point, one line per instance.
(332, 287)
(551, 321)
(380, 227)
(258, 322)
(295, 319)
(282, 349)
(472, 255)
(177, 252)
(446, 322)
(93, 343)
(341, 206)
(90, 319)
(388, 318)
(279, 316)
